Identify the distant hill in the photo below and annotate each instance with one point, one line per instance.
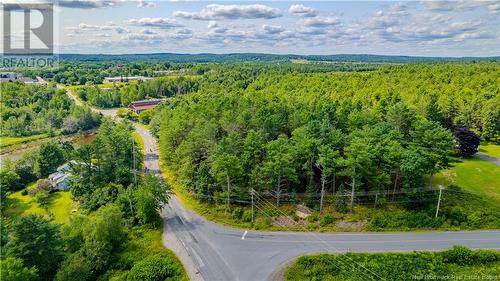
(256, 57)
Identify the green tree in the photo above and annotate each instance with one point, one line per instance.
(145, 116)
(50, 156)
(37, 242)
(13, 269)
(75, 268)
(150, 197)
(328, 162)
(103, 233)
(278, 166)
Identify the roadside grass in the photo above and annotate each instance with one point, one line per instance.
(10, 141)
(142, 242)
(138, 140)
(59, 208)
(490, 149)
(459, 262)
(460, 209)
(473, 175)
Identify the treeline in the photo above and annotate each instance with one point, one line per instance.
(30, 109)
(124, 95)
(117, 207)
(379, 131)
(459, 262)
(90, 71)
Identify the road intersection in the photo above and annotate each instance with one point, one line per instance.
(213, 252)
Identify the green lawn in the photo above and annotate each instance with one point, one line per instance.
(8, 141)
(490, 149)
(473, 175)
(60, 206)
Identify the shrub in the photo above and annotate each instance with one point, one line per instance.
(42, 197)
(237, 213)
(326, 220)
(459, 255)
(75, 268)
(455, 215)
(247, 216)
(13, 269)
(340, 203)
(155, 267)
(313, 218)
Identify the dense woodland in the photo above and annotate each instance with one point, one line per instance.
(123, 95)
(35, 109)
(110, 236)
(379, 131)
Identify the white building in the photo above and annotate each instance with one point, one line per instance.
(126, 79)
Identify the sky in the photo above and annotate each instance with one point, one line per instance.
(424, 28)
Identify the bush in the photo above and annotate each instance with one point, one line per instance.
(326, 220)
(340, 203)
(313, 218)
(42, 197)
(455, 215)
(247, 216)
(459, 255)
(75, 268)
(156, 267)
(13, 269)
(237, 213)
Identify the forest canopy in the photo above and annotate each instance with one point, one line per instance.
(381, 130)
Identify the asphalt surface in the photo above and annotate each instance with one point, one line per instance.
(214, 252)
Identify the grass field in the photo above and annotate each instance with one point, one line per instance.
(490, 149)
(473, 175)
(59, 208)
(9, 141)
(458, 263)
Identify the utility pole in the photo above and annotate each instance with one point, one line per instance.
(133, 162)
(252, 203)
(439, 200)
(352, 189)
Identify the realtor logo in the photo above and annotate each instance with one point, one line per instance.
(28, 29)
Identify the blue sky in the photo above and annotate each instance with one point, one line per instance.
(437, 28)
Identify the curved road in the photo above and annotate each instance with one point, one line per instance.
(213, 252)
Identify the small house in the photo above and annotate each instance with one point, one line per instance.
(141, 105)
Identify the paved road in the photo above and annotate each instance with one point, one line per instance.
(213, 252)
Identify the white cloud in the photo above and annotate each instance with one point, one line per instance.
(320, 21)
(88, 4)
(148, 31)
(155, 22)
(224, 12)
(212, 24)
(84, 27)
(494, 8)
(272, 29)
(302, 10)
(449, 6)
(145, 4)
